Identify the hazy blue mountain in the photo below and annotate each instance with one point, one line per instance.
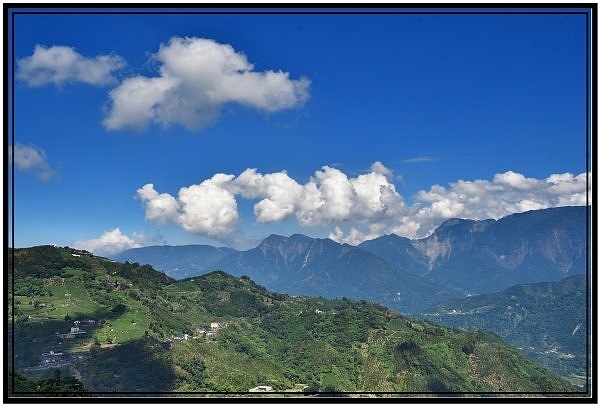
(489, 255)
(302, 265)
(176, 261)
(547, 320)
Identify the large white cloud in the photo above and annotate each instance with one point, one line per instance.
(109, 243)
(59, 64)
(356, 208)
(31, 159)
(197, 77)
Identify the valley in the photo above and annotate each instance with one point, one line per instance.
(543, 320)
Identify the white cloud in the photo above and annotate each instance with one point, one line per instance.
(136, 102)
(360, 208)
(31, 159)
(507, 193)
(380, 168)
(59, 64)
(111, 242)
(208, 208)
(278, 191)
(197, 77)
(334, 194)
(515, 181)
(160, 208)
(417, 159)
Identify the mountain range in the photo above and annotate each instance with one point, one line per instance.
(461, 257)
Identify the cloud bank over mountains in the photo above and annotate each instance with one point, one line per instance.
(356, 208)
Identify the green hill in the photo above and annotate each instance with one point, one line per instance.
(128, 328)
(547, 321)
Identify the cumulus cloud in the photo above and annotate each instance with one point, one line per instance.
(208, 208)
(159, 207)
(197, 77)
(356, 208)
(111, 242)
(381, 169)
(59, 64)
(30, 159)
(279, 194)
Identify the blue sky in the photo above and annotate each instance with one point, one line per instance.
(137, 129)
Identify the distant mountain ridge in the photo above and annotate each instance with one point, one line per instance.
(177, 261)
(459, 257)
(301, 265)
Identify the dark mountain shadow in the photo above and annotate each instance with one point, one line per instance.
(136, 366)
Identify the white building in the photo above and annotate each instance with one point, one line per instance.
(262, 388)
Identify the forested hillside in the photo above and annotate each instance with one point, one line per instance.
(547, 321)
(128, 328)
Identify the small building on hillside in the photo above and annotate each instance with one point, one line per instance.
(52, 358)
(262, 388)
(77, 331)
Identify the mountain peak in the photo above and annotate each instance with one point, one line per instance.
(274, 238)
(458, 225)
(298, 236)
(453, 222)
